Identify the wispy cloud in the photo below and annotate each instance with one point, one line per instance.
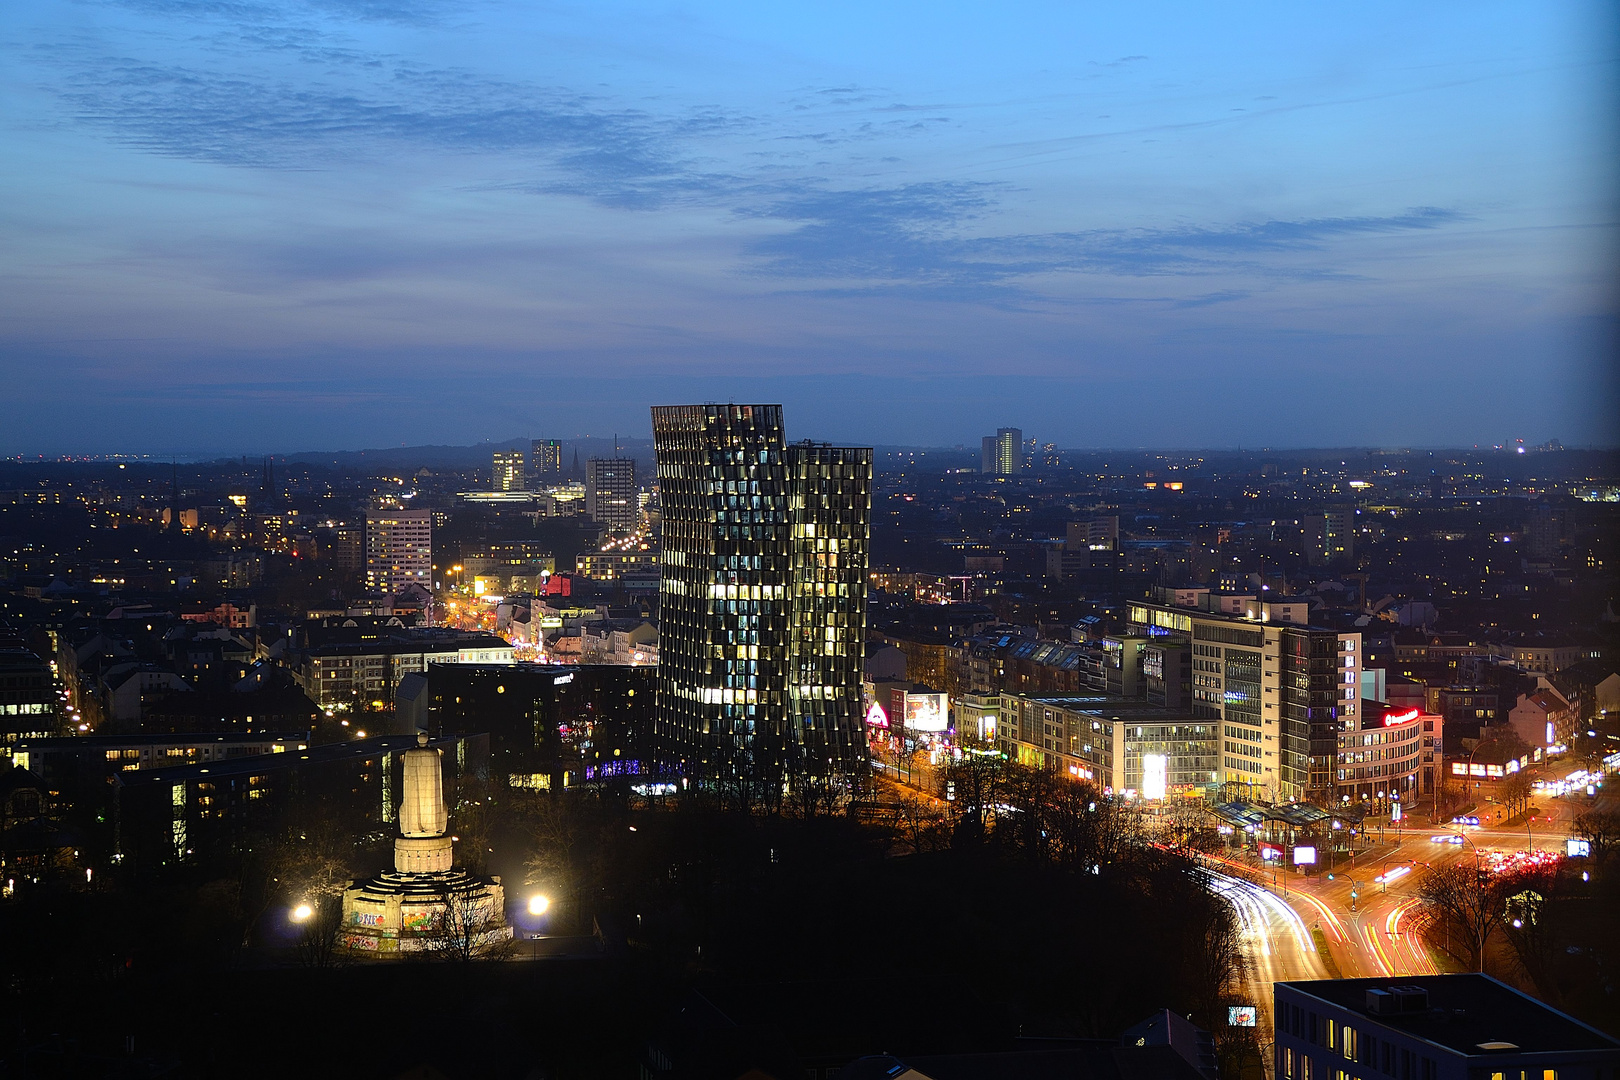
(253, 12)
(914, 235)
(293, 95)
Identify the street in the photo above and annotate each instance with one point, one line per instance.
(1374, 933)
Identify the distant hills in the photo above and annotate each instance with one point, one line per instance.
(477, 456)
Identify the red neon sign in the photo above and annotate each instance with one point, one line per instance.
(1391, 719)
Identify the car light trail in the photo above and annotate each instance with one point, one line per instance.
(1258, 909)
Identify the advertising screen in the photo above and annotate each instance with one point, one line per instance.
(1304, 856)
(926, 712)
(1155, 774)
(1240, 1015)
(876, 717)
(1575, 848)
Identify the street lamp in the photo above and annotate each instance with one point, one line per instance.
(302, 913)
(538, 904)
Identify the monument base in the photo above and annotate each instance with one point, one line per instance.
(400, 913)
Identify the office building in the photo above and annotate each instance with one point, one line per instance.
(346, 545)
(505, 557)
(545, 464)
(341, 665)
(548, 725)
(610, 494)
(1543, 530)
(1380, 761)
(507, 471)
(763, 598)
(611, 566)
(1098, 534)
(1002, 454)
(1121, 745)
(399, 550)
(1331, 536)
(28, 699)
(1282, 691)
(1430, 1027)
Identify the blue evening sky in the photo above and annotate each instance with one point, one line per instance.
(248, 225)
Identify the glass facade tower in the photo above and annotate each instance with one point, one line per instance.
(763, 595)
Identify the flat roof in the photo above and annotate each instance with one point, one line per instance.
(108, 742)
(1108, 707)
(1465, 1011)
(255, 764)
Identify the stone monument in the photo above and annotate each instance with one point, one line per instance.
(424, 903)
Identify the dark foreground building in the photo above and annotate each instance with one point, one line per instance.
(591, 722)
(172, 816)
(1431, 1027)
(763, 600)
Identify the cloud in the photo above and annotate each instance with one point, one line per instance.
(298, 97)
(913, 236)
(251, 12)
(201, 115)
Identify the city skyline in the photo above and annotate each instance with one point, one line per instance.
(809, 541)
(257, 227)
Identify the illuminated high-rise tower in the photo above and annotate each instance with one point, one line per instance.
(399, 550)
(1002, 454)
(507, 470)
(610, 493)
(545, 464)
(763, 605)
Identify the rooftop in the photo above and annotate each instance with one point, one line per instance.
(263, 763)
(190, 738)
(1466, 1011)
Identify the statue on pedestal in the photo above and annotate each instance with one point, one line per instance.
(424, 904)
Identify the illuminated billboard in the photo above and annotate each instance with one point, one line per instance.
(1241, 1015)
(1304, 856)
(876, 717)
(927, 712)
(1155, 775)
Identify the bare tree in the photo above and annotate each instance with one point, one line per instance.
(560, 828)
(1533, 922)
(1467, 904)
(1514, 792)
(307, 859)
(921, 827)
(320, 933)
(1600, 828)
(972, 787)
(466, 925)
